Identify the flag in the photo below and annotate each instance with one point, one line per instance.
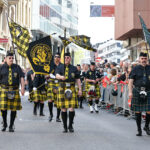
(95, 10)
(65, 41)
(82, 41)
(62, 56)
(40, 56)
(145, 31)
(20, 37)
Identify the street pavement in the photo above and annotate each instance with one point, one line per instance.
(103, 131)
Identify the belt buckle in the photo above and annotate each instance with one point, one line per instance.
(56, 81)
(68, 85)
(10, 88)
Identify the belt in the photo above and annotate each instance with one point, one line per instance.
(139, 89)
(10, 88)
(92, 83)
(53, 81)
(66, 84)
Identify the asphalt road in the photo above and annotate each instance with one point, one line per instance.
(103, 131)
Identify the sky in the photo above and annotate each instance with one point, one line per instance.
(99, 29)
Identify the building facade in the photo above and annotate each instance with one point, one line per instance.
(110, 50)
(51, 17)
(4, 37)
(127, 24)
(20, 12)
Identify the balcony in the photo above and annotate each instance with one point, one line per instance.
(13, 2)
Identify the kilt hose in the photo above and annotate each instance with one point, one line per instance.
(84, 89)
(10, 104)
(137, 105)
(39, 95)
(62, 102)
(97, 88)
(31, 95)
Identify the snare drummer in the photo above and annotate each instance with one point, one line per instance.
(11, 76)
(93, 90)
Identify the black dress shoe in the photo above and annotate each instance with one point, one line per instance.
(58, 120)
(97, 111)
(11, 129)
(71, 129)
(3, 129)
(35, 113)
(50, 118)
(147, 130)
(91, 111)
(139, 133)
(65, 130)
(41, 114)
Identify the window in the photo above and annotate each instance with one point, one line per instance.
(69, 4)
(60, 2)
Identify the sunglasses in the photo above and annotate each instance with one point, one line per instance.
(67, 57)
(11, 57)
(57, 56)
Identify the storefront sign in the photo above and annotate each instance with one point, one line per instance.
(3, 40)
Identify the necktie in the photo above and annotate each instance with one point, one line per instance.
(10, 76)
(66, 72)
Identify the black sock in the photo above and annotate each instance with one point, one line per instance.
(4, 115)
(138, 121)
(58, 112)
(41, 108)
(35, 107)
(12, 118)
(96, 101)
(71, 118)
(147, 120)
(81, 99)
(64, 119)
(50, 106)
(91, 103)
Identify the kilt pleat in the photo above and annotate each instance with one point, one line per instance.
(97, 88)
(137, 105)
(10, 104)
(50, 94)
(39, 96)
(62, 102)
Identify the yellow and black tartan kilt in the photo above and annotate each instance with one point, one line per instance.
(97, 88)
(62, 102)
(137, 105)
(39, 95)
(50, 94)
(31, 96)
(10, 104)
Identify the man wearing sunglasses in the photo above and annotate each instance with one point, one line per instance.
(53, 90)
(11, 75)
(67, 98)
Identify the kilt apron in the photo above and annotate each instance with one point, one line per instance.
(137, 105)
(10, 104)
(62, 102)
